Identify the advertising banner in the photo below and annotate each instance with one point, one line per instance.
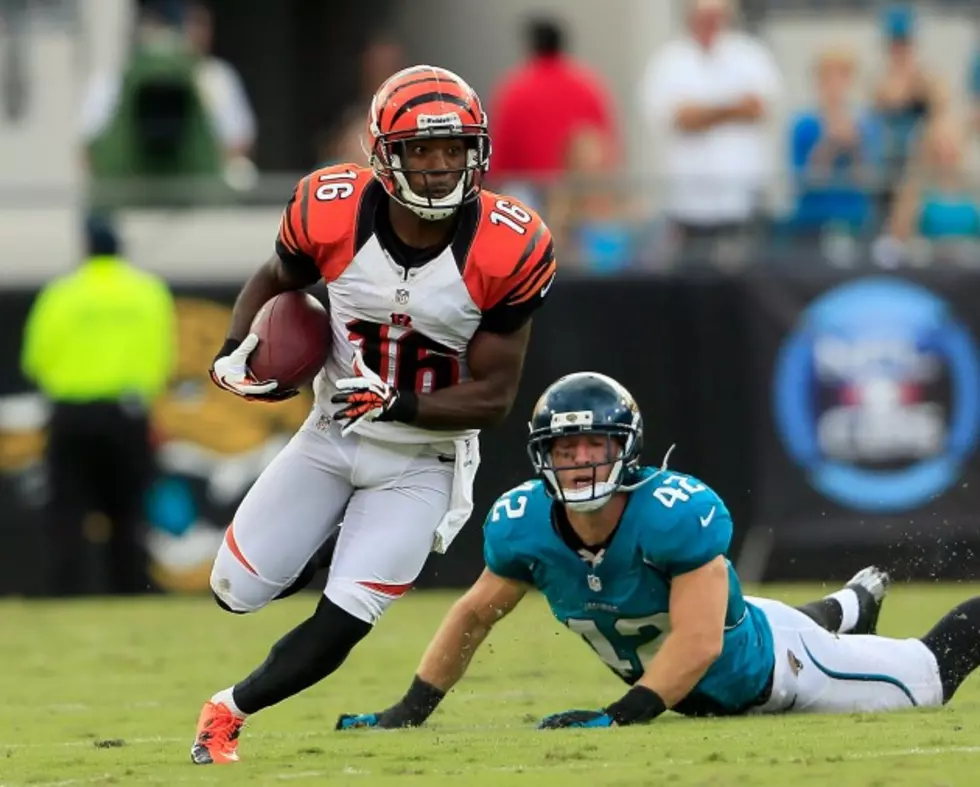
(828, 411)
(867, 401)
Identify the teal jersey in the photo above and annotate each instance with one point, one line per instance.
(620, 607)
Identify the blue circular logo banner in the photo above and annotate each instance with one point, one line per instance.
(877, 395)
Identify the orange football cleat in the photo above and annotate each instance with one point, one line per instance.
(217, 735)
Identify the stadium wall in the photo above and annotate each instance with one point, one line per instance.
(837, 416)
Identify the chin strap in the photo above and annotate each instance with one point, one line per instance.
(648, 479)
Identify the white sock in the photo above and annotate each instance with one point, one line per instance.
(226, 698)
(850, 609)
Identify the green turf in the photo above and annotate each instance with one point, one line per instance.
(108, 692)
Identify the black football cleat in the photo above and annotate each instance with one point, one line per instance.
(871, 586)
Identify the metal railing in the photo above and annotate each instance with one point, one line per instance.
(756, 11)
(610, 224)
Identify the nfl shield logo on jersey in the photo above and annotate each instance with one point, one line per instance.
(401, 296)
(595, 584)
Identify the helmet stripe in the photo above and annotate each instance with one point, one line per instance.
(399, 88)
(427, 98)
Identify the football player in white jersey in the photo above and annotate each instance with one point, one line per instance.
(432, 282)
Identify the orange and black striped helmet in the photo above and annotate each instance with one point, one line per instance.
(425, 102)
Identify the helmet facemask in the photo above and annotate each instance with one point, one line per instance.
(621, 455)
(388, 162)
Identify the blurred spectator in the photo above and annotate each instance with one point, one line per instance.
(586, 213)
(538, 106)
(835, 151)
(174, 109)
(382, 57)
(711, 91)
(345, 144)
(906, 94)
(974, 86)
(99, 344)
(935, 204)
(221, 86)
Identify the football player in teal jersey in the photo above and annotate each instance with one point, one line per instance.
(633, 559)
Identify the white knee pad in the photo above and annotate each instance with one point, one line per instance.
(242, 590)
(364, 600)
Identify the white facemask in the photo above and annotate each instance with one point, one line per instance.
(592, 497)
(434, 209)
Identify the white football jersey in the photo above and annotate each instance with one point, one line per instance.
(413, 325)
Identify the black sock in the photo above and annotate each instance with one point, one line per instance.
(826, 613)
(305, 656)
(955, 641)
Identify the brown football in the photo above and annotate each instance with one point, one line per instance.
(294, 339)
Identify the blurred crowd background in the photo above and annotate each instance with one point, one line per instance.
(646, 133)
(660, 139)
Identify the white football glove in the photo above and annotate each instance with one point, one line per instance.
(364, 396)
(231, 373)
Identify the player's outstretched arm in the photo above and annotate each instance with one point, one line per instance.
(465, 627)
(445, 661)
(698, 603)
(496, 361)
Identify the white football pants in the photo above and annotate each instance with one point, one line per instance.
(820, 672)
(390, 498)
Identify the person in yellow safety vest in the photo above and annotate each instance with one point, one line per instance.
(99, 343)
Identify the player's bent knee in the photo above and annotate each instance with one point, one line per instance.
(366, 601)
(238, 590)
(227, 606)
(232, 602)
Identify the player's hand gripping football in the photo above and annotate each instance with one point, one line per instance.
(576, 718)
(365, 396)
(230, 371)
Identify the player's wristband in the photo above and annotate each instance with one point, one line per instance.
(639, 704)
(421, 700)
(404, 408)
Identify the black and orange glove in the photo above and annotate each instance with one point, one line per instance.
(367, 397)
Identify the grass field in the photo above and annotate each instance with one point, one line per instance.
(108, 692)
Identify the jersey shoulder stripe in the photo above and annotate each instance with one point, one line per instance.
(322, 220)
(511, 258)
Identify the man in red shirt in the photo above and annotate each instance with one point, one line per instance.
(539, 105)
